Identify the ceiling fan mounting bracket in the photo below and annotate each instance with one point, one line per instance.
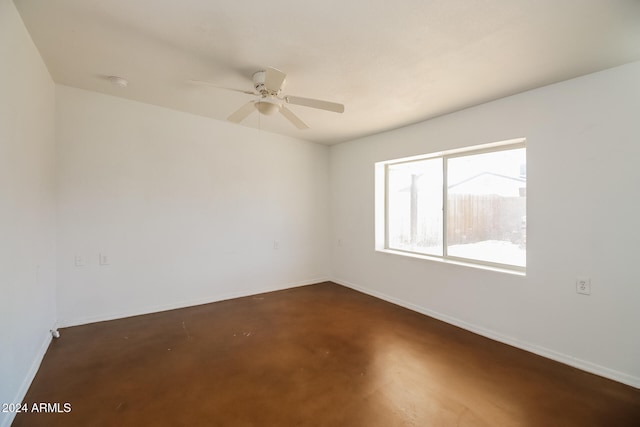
(259, 84)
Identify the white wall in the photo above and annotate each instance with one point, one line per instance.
(187, 208)
(27, 208)
(583, 170)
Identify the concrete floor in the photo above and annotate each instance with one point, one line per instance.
(320, 355)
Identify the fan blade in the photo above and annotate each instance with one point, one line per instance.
(205, 83)
(315, 103)
(274, 79)
(242, 113)
(295, 120)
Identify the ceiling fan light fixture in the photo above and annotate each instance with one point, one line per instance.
(267, 107)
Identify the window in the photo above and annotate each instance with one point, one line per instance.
(464, 205)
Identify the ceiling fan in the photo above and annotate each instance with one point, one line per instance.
(268, 85)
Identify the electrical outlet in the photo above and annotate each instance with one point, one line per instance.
(583, 285)
(104, 259)
(80, 261)
(276, 245)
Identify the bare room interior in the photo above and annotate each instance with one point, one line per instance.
(416, 213)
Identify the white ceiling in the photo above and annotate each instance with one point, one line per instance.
(391, 63)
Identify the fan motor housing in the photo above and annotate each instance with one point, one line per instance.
(259, 79)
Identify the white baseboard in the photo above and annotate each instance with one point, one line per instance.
(28, 379)
(64, 323)
(575, 362)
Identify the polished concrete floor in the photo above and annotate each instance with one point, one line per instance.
(320, 355)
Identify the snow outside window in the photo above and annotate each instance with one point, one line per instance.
(467, 205)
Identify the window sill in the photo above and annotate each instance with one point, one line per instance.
(454, 262)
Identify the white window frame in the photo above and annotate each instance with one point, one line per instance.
(382, 205)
